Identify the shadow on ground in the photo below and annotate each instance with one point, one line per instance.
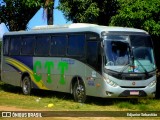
(66, 96)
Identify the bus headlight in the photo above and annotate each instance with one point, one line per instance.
(153, 83)
(112, 83)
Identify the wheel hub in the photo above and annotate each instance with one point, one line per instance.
(80, 91)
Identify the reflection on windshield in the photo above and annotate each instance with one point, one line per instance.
(117, 52)
(122, 57)
(143, 53)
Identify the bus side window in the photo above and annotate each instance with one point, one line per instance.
(28, 45)
(42, 46)
(92, 53)
(5, 46)
(15, 46)
(76, 45)
(58, 46)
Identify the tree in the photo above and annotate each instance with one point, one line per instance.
(48, 6)
(143, 14)
(89, 11)
(17, 13)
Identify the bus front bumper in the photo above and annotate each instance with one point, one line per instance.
(130, 92)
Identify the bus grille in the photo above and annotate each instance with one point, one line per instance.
(125, 77)
(132, 86)
(133, 78)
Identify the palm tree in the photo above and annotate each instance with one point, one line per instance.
(49, 7)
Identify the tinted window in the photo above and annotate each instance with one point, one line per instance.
(5, 46)
(42, 45)
(15, 46)
(58, 46)
(28, 46)
(139, 41)
(76, 45)
(92, 52)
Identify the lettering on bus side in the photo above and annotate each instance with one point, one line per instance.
(62, 66)
(36, 65)
(49, 65)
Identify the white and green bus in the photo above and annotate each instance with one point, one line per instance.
(81, 59)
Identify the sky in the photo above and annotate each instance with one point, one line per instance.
(38, 19)
(3, 29)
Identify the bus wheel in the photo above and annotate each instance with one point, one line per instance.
(79, 93)
(26, 85)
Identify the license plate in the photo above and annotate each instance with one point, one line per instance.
(134, 92)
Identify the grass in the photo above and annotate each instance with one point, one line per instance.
(39, 100)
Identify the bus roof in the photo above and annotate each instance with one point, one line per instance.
(76, 27)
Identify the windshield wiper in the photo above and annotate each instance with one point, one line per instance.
(124, 68)
(146, 72)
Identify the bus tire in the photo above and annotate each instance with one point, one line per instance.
(79, 92)
(26, 85)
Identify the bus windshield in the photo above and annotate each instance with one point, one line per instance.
(127, 54)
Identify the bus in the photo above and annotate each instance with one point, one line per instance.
(81, 59)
